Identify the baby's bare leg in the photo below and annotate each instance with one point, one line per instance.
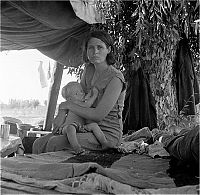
(96, 130)
(70, 132)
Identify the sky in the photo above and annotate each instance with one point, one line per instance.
(20, 78)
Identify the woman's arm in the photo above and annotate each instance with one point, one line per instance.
(106, 104)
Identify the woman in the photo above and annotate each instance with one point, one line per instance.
(107, 109)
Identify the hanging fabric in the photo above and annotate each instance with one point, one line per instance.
(87, 11)
(42, 77)
(139, 106)
(49, 72)
(187, 84)
(51, 27)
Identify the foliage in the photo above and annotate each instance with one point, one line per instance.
(77, 71)
(146, 33)
(183, 120)
(14, 103)
(45, 102)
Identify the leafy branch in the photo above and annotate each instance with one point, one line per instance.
(145, 35)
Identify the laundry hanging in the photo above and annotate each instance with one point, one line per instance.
(42, 76)
(139, 106)
(187, 86)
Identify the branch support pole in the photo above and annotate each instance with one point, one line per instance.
(53, 96)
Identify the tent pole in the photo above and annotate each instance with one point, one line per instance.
(53, 96)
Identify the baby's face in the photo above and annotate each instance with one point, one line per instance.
(78, 93)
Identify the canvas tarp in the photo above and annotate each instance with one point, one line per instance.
(132, 174)
(128, 169)
(51, 27)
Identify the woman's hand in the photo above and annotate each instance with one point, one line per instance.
(58, 121)
(56, 124)
(64, 105)
(95, 91)
(60, 129)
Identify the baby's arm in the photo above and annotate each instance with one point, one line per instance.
(89, 100)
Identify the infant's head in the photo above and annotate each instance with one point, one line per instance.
(73, 90)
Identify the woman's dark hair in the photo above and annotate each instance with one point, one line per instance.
(105, 37)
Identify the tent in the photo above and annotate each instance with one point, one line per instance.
(54, 29)
(51, 27)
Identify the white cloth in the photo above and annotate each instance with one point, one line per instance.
(49, 72)
(87, 11)
(43, 80)
(9, 143)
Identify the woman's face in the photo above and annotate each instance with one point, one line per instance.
(97, 51)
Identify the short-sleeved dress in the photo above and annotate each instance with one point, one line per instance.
(111, 125)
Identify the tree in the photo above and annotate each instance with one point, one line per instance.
(146, 33)
(45, 102)
(35, 103)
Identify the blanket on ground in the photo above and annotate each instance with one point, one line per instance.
(132, 173)
(132, 168)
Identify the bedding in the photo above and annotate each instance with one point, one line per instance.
(55, 171)
(133, 168)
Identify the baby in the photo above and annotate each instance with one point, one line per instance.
(72, 123)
